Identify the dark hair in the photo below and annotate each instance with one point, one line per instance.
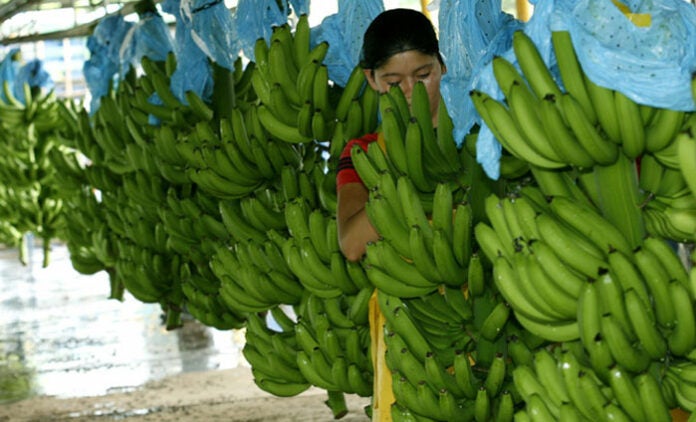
(395, 31)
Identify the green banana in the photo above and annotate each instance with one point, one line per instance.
(686, 144)
(644, 325)
(505, 73)
(633, 358)
(601, 150)
(603, 103)
(663, 128)
(524, 108)
(591, 224)
(651, 397)
(493, 325)
(631, 126)
(278, 129)
(532, 65)
(562, 138)
(657, 282)
(682, 338)
(626, 393)
(571, 71)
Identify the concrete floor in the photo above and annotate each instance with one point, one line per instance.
(61, 334)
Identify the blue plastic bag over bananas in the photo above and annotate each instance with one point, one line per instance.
(471, 32)
(475, 32)
(103, 65)
(256, 19)
(9, 66)
(644, 49)
(344, 32)
(213, 30)
(34, 74)
(193, 71)
(149, 36)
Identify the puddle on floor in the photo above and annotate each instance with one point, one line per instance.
(60, 335)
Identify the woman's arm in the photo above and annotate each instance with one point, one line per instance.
(354, 228)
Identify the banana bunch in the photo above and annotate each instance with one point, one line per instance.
(273, 354)
(670, 207)
(418, 250)
(579, 123)
(414, 148)
(333, 339)
(39, 108)
(312, 253)
(88, 238)
(29, 197)
(235, 160)
(254, 276)
(189, 226)
(626, 307)
(460, 372)
(570, 243)
(679, 383)
(292, 85)
(200, 287)
(558, 384)
(356, 113)
(190, 223)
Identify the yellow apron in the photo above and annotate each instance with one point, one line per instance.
(382, 396)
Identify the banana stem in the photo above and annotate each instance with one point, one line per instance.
(46, 251)
(337, 403)
(117, 289)
(619, 198)
(173, 318)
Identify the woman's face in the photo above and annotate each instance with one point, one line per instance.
(405, 69)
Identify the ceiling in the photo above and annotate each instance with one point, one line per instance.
(10, 9)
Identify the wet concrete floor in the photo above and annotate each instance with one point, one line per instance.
(61, 336)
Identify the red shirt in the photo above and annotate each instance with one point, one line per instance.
(345, 171)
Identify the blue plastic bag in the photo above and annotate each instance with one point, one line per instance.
(193, 72)
(35, 75)
(344, 32)
(471, 33)
(650, 64)
(99, 72)
(300, 7)
(255, 19)
(8, 70)
(149, 37)
(110, 33)
(213, 30)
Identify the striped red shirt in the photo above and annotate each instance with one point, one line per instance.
(345, 172)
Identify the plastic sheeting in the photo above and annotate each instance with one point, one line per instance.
(344, 32)
(644, 48)
(35, 75)
(148, 37)
(213, 29)
(9, 66)
(255, 19)
(472, 32)
(193, 72)
(103, 65)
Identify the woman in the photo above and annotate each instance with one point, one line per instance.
(400, 48)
